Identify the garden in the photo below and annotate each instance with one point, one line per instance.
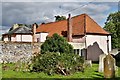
(56, 61)
(89, 73)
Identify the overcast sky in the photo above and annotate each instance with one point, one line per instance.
(30, 12)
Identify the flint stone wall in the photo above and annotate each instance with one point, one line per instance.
(14, 51)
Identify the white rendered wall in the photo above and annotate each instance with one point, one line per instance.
(42, 36)
(5, 38)
(96, 45)
(18, 38)
(13, 38)
(110, 46)
(101, 41)
(26, 38)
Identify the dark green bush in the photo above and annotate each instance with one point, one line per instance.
(57, 57)
(56, 43)
(63, 63)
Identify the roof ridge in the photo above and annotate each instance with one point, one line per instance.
(53, 22)
(10, 32)
(63, 20)
(79, 15)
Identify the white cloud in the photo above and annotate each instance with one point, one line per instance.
(98, 7)
(30, 12)
(59, 0)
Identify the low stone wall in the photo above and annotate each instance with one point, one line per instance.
(16, 51)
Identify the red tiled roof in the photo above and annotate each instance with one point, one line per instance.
(80, 24)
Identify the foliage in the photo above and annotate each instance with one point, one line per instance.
(51, 63)
(57, 57)
(91, 73)
(59, 18)
(113, 26)
(56, 43)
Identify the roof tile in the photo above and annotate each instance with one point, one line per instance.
(81, 24)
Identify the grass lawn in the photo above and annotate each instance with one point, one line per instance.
(88, 73)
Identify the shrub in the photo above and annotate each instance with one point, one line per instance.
(56, 43)
(51, 63)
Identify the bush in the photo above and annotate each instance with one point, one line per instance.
(57, 57)
(56, 43)
(51, 63)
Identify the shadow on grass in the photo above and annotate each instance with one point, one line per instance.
(97, 75)
(95, 62)
(118, 63)
(96, 71)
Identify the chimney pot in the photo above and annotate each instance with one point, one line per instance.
(69, 15)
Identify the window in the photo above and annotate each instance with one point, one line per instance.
(84, 53)
(77, 51)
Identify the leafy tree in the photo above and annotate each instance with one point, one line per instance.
(59, 18)
(56, 43)
(55, 58)
(112, 25)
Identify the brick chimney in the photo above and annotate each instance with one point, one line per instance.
(69, 29)
(34, 31)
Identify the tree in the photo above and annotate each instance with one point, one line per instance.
(59, 18)
(55, 58)
(112, 25)
(56, 43)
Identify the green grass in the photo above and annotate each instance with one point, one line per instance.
(88, 73)
(0, 71)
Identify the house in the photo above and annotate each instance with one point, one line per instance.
(86, 36)
(82, 32)
(18, 33)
